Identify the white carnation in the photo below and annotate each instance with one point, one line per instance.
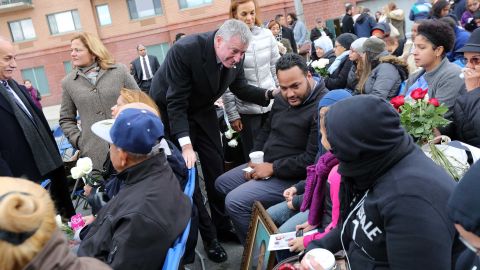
(85, 165)
(76, 172)
(229, 134)
(233, 143)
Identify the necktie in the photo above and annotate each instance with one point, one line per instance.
(16, 99)
(147, 71)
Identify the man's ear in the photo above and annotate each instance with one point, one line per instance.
(123, 157)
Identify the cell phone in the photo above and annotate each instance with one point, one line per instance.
(299, 233)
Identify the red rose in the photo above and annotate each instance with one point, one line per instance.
(397, 101)
(434, 102)
(286, 266)
(418, 93)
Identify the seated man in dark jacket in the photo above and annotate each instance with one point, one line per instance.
(136, 228)
(288, 140)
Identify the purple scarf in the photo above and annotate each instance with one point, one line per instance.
(317, 176)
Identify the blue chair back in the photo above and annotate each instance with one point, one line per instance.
(175, 253)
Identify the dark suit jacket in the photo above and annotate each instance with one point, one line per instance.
(137, 67)
(188, 83)
(16, 157)
(288, 34)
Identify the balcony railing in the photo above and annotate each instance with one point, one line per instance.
(14, 5)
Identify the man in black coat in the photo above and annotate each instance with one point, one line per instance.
(347, 21)
(286, 32)
(144, 67)
(196, 72)
(27, 147)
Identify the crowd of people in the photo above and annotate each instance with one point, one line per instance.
(335, 155)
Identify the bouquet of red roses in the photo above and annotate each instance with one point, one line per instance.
(419, 115)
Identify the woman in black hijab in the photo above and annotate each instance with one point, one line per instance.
(397, 195)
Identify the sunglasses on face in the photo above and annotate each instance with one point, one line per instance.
(474, 60)
(469, 246)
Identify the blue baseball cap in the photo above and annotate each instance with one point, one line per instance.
(134, 130)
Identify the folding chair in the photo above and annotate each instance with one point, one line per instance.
(175, 253)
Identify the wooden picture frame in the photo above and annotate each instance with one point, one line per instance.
(260, 229)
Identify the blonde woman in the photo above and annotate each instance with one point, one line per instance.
(30, 237)
(91, 89)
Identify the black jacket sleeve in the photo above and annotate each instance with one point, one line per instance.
(338, 80)
(297, 201)
(4, 168)
(300, 186)
(428, 230)
(179, 80)
(292, 166)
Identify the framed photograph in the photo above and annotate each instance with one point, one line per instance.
(255, 254)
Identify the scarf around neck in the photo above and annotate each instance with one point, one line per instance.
(334, 66)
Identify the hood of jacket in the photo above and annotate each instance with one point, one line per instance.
(375, 140)
(397, 14)
(401, 66)
(57, 255)
(362, 17)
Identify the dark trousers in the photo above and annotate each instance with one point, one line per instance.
(211, 160)
(59, 192)
(145, 85)
(252, 123)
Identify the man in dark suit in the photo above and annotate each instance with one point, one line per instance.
(27, 147)
(347, 20)
(196, 72)
(144, 67)
(286, 32)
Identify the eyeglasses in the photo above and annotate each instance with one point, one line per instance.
(469, 246)
(474, 60)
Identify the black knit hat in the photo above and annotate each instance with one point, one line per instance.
(473, 43)
(346, 40)
(463, 203)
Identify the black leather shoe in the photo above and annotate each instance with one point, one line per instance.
(227, 236)
(215, 251)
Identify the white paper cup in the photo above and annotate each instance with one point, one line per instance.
(323, 257)
(256, 157)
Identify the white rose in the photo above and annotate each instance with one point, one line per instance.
(229, 134)
(315, 64)
(323, 62)
(233, 143)
(76, 172)
(58, 220)
(85, 164)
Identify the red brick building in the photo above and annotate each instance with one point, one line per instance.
(41, 29)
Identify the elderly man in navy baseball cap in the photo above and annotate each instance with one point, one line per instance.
(136, 228)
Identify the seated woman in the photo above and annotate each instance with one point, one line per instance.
(382, 74)
(432, 42)
(397, 195)
(356, 52)
(465, 125)
(324, 49)
(30, 238)
(338, 70)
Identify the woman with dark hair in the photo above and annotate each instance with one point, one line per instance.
(382, 74)
(440, 9)
(396, 195)
(300, 32)
(465, 126)
(433, 40)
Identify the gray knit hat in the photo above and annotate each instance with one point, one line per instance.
(346, 40)
(357, 45)
(374, 45)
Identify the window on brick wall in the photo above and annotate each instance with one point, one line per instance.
(192, 3)
(22, 30)
(159, 50)
(144, 8)
(38, 78)
(67, 66)
(103, 14)
(64, 22)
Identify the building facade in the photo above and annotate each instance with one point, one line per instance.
(41, 30)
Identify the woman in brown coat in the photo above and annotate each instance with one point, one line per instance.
(30, 237)
(92, 88)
